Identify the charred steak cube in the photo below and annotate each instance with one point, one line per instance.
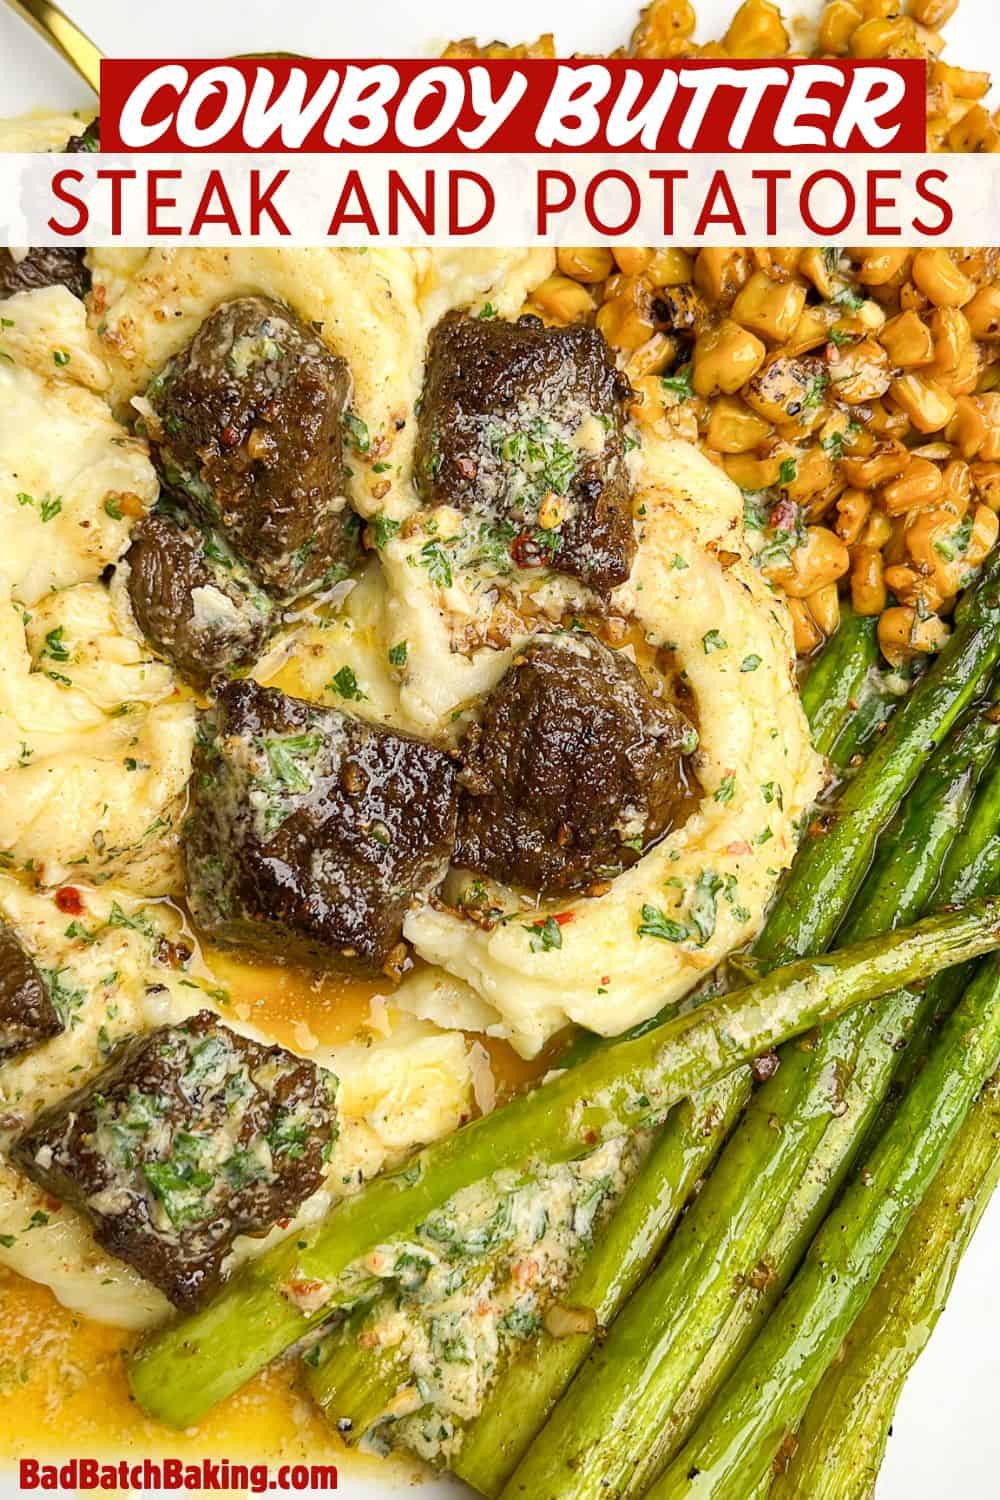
(189, 1136)
(310, 831)
(194, 600)
(523, 426)
(246, 426)
(59, 265)
(27, 1014)
(573, 770)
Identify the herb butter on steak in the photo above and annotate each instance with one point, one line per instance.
(310, 831)
(246, 425)
(573, 770)
(190, 1136)
(522, 427)
(193, 599)
(27, 1014)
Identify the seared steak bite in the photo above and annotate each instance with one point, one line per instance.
(58, 265)
(309, 831)
(188, 1137)
(246, 424)
(573, 770)
(194, 600)
(27, 1014)
(523, 426)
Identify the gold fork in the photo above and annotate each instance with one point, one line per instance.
(56, 28)
(64, 35)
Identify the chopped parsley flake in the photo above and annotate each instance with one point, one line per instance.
(345, 683)
(655, 923)
(545, 935)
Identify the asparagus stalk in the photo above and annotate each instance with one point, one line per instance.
(878, 698)
(616, 1424)
(971, 869)
(836, 681)
(184, 1368)
(536, 1375)
(765, 1397)
(348, 1380)
(864, 1121)
(838, 850)
(841, 1441)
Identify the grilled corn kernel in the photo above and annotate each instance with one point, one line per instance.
(633, 259)
(986, 479)
(985, 530)
(752, 473)
(932, 13)
(956, 487)
(983, 313)
(908, 341)
(877, 530)
(920, 484)
(886, 461)
(837, 25)
(881, 38)
(719, 274)
(824, 606)
(940, 280)
(725, 358)
(927, 404)
(664, 27)
(805, 632)
(770, 308)
(756, 30)
(952, 340)
(585, 265)
(562, 300)
(733, 427)
(812, 477)
(962, 82)
(880, 267)
(868, 591)
(903, 633)
(670, 267)
(821, 559)
(853, 510)
(859, 372)
(967, 428)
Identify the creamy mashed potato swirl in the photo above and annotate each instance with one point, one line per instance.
(96, 733)
(694, 589)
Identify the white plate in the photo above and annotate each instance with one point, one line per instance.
(946, 1439)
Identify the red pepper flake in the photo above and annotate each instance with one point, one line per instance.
(562, 917)
(739, 847)
(52, 1204)
(784, 515)
(605, 978)
(69, 900)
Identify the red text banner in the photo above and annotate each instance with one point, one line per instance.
(460, 106)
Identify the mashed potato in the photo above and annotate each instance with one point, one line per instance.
(694, 589)
(96, 733)
(110, 981)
